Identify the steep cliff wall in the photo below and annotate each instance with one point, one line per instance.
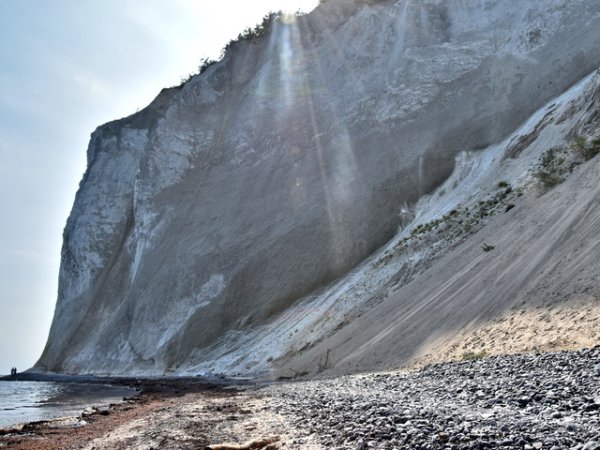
(284, 165)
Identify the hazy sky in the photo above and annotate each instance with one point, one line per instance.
(67, 66)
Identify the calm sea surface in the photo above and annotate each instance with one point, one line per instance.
(28, 401)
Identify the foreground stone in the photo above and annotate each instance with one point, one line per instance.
(549, 401)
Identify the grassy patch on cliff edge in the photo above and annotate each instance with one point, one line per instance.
(249, 34)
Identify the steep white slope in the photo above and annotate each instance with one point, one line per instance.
(280, 168)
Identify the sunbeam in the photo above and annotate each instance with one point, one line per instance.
(399, 42)
(363, 92)
(345, 156)
(338, 175)
(262, 88)
(286, 56)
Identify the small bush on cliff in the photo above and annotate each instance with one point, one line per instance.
(548, 179)
(205, 64)
(249, 34)
(471, 356)
(584, 148)
(551, 170)
(261, 29)
(595, 147)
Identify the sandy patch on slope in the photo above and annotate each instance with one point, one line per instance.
(568, 326)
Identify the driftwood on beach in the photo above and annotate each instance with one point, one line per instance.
(266, 443)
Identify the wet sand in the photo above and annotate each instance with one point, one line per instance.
(131, 424)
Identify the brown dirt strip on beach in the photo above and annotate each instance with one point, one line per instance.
(171, 414)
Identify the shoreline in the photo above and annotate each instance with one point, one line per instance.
(533, 399)
(30, 375)
(140, 387)
(70, 431)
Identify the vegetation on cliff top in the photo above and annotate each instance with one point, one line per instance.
(249, 34)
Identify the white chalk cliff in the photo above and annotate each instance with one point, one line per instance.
(252, 219)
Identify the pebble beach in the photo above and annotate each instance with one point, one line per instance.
(531, 401)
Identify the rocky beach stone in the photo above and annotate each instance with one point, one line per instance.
(532, 401)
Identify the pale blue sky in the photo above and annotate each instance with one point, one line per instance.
(67, 66)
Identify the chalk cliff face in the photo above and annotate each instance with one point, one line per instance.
(283, 166)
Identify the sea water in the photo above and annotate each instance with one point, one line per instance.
(30, 401)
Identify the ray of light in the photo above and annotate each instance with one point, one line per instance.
(345, 165)
(400, 30)
(296, 77)
(332, 178)
(396, 53)
(286, 55)
(263, 87)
